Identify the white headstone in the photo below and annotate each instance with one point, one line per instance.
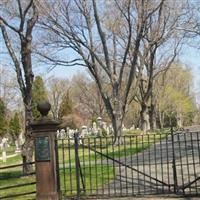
(84, 131)
(4, 146)
(94, 129)
(132, 127)
(62, 133)
(4, 157)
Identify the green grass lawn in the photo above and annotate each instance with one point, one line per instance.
(94, 176)
(9, 150)
(11, 161)
(7, 179)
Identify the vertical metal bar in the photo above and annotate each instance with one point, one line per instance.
(120, 169)
(181, 161)
(83, 157)
(63, 159)
(167, 159)
(125, 155)
(174, 162)
(187, 161)
(132, 152)
(83, 164)
(102, 174)
(198, 145)
(90, 166)
(161, 160)
(198, 153)
(57, 166)
(138, 176)
(155, 161)
(180, 157)
(95, 163)
(149, 155)
(70, 166)
(113, 165)
(76, 146)
(193, 160)
(143, 164)
(107, 163)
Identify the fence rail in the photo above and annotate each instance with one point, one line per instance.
(164, 163)
(15, 184)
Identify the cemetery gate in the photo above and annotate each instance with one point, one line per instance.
(151, 164)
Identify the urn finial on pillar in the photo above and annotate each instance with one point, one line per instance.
(44, 107)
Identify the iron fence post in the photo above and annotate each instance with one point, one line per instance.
(174, 162)
(77, 164)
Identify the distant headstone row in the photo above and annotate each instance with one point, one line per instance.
(98, 129)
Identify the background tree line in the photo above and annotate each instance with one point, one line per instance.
(77, 102)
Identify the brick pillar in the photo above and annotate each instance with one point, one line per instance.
(44, 134)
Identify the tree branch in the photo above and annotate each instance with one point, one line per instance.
(14, 59)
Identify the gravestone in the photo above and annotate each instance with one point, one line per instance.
(4, 148)
(84, 131)
(94, 128)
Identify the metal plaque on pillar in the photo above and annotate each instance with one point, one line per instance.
(42, 149)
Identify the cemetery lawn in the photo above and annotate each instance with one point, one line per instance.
(93, 179)
(17, 159)
(9, 150)
(7, 179)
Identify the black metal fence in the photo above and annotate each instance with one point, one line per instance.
(136, 165)
(15, 185)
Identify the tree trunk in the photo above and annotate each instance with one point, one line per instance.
(27, 155)
(144, 117)
(179, 120)
(152, 117)
(28, 146)
(117, 128)
(161, 119)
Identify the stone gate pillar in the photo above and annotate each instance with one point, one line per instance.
(44, 134)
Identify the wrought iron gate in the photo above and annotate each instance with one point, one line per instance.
(140, 165)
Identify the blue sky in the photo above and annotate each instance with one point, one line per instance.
(190, 56)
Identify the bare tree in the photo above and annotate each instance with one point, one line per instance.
(57, 89)
(105, 37)
(9, 91)
(17, 20)
(161, 45)
(87, 97)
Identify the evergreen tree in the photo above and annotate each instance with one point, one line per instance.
(14, 126)
(66, 106)
(3, 124)
(39, 94)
